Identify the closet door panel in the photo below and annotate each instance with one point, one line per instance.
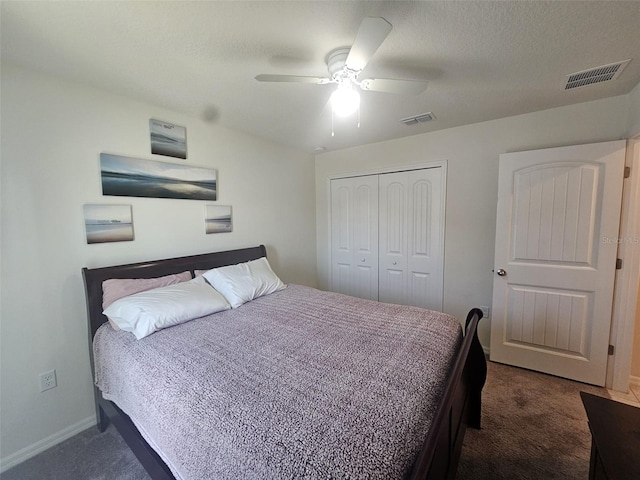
(419, 290)
(393, 238)
(411, 226)
(365, 229)
(425, 227)
(354, 236)
(341, 278)
(341, 236)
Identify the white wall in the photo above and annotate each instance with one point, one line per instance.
(633, 107)
(52, 134)
(472, 154)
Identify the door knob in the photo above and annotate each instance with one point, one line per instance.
(363, 260)
(501, 272)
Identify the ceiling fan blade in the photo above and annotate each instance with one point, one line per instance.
(387, 85)
(292, 78)
(371, 34)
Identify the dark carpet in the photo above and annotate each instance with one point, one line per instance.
(90, 455)
(533, 427)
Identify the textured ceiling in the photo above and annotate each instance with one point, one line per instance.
(483, 60)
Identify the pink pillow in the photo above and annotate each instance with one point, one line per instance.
(116, 288)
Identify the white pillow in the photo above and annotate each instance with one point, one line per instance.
(245, 281)
(147, 312)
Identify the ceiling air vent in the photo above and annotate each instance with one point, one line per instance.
(595, 75)
(422, 118)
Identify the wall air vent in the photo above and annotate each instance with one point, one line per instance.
(422, 118)
(595, 75)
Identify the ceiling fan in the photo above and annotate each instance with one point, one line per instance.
(345, 64)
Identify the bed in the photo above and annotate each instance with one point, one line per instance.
(296, 384)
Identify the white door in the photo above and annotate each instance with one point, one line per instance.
(410, 241)
(354, 236)
(555, 255)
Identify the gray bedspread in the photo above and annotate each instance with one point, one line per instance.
(298, 384)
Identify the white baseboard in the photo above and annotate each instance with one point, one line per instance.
(42, 445)
(487, 351)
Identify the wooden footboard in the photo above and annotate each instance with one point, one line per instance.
(460, 405)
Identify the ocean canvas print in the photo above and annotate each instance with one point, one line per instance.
(135, 177)
(108, 223)
(168, 139)
(218, 219)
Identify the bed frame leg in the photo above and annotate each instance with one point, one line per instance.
(475, 409)
(101, 416)
(103, 420)
(478, 373)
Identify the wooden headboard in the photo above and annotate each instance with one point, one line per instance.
(93, 277)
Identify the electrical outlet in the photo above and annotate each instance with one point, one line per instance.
(48, 380)
(485, 312)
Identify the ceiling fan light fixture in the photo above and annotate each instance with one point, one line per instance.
(345, 100)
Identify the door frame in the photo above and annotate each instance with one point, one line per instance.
(625, 296)
(380, 171)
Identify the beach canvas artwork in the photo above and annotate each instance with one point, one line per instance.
(135, 177)
(218, 219)
(108, 223)
(168, 139)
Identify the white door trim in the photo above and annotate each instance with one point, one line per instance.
(402, 168)
(627, 279)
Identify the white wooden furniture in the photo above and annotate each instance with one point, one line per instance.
(387, 236)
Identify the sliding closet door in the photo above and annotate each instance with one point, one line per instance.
(354, 236)
(411, 226)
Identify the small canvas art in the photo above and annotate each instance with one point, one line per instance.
(218, 219)
(135, 177)
(168, 139)
(108, 223)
